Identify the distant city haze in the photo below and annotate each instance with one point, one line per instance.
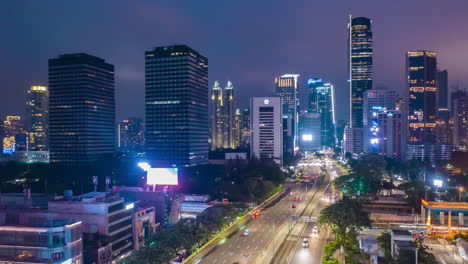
(246, 42)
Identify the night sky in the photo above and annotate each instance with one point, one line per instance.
(246, 41)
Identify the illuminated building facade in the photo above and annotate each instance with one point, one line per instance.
(322, 100)
(38, 112)
(236, 130)
(131, 135)
(13, 129)
(223, 120)
(287, 90)
(266, 128)
(245, 127)
(310, 130)
(460, 122)
(391, 136)
(360, 51)
(38, 237)
(81, 109)
(176, 106)
(375, 102)
(422, 104)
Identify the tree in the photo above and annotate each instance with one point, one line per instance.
(344, 218)
(385, 243)
(415, 191)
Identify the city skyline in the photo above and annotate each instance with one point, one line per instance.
(253, 68)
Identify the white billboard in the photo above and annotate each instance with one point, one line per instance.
(162, 176)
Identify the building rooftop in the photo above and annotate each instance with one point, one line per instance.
(403, 244)
(445, 206)
(401, 232)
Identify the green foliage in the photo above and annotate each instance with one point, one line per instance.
(365, 177)
(328, 252)
(185, 236)
(344, 218)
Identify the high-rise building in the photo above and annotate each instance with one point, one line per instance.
(266, 128)
(223, 117)
(131, 135)
(322, 100)
(236, 130)
(176, 106)
(376, 101)
(310, 129)
(421, 72)
(38, 113)
(287, 90)
(442, 89)
(391, 139)
(14, 128)
(460, 122)
(360, 51)
(81, 109)
(245, 130)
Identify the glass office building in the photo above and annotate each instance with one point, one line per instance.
(81, 109)
(176, 106)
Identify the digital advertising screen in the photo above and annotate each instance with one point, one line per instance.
(162, 176)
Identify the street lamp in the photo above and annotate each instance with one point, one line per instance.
(460, 190)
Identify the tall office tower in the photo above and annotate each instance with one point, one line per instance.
(2, 135)
(230, 140)
(460, 122)
(287, 90)
(38, 113)
(322, 100)
(376, 101)
(360, 46)
(454, 95)
(176, 109)
(340, 129)
(223, 117)
(236, 130)
(81, 109)
(310, 131)
(131, 134)
(245, 130)
(266, 128)
(313, 84)
(421, 69)
(442, 89)
(391, 140)
(360, 51)
(218, 118)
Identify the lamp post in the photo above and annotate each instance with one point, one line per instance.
(460, 190)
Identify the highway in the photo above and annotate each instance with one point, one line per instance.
(244, 249)
(294, 252)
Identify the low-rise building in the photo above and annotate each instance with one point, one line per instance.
(27, 236)
(144, 224)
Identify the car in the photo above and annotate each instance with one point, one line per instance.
(293, 206)
(305, 243)
(246, 232)
(315, 230)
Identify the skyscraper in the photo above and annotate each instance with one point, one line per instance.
(322, 100)
(360, 51)
(13, 128)
(245, 130)
(421, 72)
(287, 90)
(460, 121)
(223, 113)
(391, 140)
(442, 89)
(236, 130)
(81, 109)
(131, 134)
(218, 117)
(266, 128)
(38, 112)
(310, 131)
(176, 106)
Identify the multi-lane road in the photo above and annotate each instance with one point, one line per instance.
(246, 249)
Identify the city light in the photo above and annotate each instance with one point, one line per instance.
(144, 165)
(307, 137)
(438, 183)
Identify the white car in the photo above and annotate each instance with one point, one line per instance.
(246, 232)
(315, 230)
(305, 243)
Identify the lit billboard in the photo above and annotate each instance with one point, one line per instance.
(162, 176)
